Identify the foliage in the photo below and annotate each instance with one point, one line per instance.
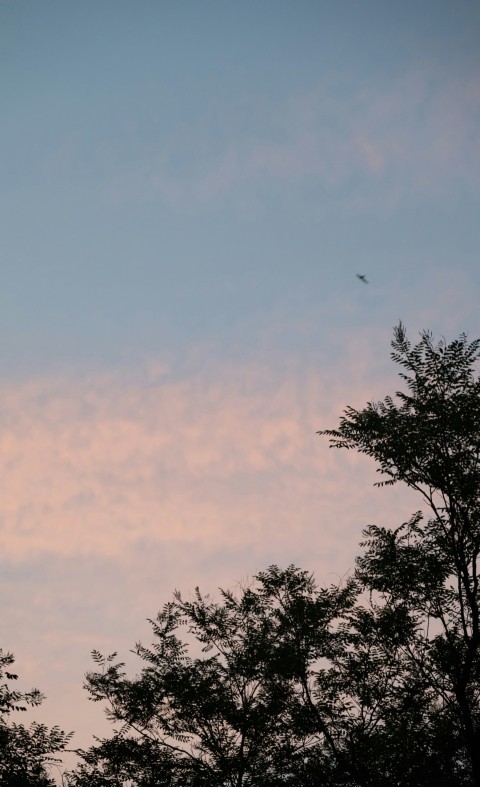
(236, 713)
(373, 682)
(429, 439)
(26, 753)
(292, 685)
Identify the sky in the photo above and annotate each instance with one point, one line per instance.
(188, 191)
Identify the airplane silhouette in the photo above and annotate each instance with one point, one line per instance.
(362, 278)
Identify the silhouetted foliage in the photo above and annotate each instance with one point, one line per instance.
(25, 752)
(370, 683)
(292, 685)
(239, 712)
(429, 439)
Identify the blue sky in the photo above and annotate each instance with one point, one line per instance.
(187, 192)
(194, 172)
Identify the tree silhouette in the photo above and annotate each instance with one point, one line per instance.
(428, 571)
(25, 752)
(371, 682)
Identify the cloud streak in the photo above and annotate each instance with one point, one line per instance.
(112, 466)
(118, 487)
(95, 466)
(415, 134)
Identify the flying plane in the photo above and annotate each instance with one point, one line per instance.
(362, 278)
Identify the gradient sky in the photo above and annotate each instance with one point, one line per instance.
(187, 192)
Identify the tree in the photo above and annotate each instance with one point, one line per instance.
(25, 752)
(428, 571)
(239, 712)
(373, 682)
(292, 685)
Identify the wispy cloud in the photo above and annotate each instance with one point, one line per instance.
(119, 487)
(385, 140)
(95, 466)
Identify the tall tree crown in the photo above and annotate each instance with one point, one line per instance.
(429, 436)
(429, 439)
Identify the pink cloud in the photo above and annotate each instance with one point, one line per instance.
(116, 491)
(93, 466)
